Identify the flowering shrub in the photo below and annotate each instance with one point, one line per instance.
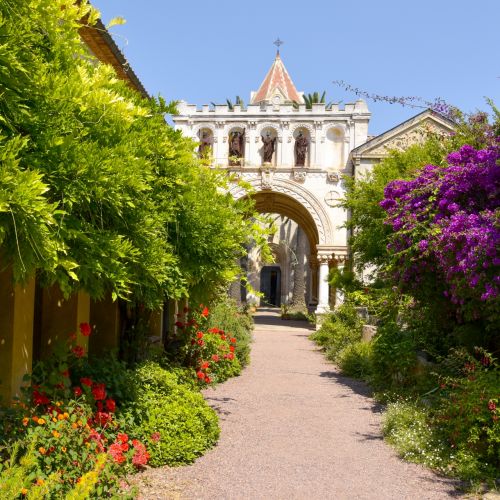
(209, 351)
(226, 315)
(175, 422)
(446, 225)
(71, 420)
(468, 413)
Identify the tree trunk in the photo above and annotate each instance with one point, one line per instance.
(299, 283)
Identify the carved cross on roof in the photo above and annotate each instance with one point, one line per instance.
(278, 43)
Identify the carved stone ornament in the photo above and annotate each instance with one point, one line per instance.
(332, 176)
(267, 179)
(299, 175)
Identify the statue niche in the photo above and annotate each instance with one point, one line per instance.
(236, 147)
(206, 142)
(301, 147)
(268, 148)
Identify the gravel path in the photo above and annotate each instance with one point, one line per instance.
(293, 428)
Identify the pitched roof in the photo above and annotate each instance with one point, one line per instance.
(276, 81)
(102, 45)
(411, 131)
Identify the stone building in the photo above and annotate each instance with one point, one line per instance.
(294, 159)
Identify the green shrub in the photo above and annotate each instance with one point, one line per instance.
(355, 360)
(226, 315)
(394, 357)
(467, 412)
(338, 330)
(405, 425)
(174, 421)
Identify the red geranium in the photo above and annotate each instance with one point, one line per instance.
(115, 450)
(179, 324)
(200, 375)
(199, 335)
(204, 313)
(78, 351)
(77, 391)
(111, 405)
(85, 329)
(122, 437)
(99, 391)
(86, 381)
(40, 398)
(215, 357)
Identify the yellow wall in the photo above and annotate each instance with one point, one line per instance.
(16, 334)
(105, 321)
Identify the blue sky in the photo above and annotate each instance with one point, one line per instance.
(203, 51)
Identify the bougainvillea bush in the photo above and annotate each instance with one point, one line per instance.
(446, 236)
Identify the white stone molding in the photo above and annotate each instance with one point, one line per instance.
(200, 126)
(261, 127)
(300, 175)
(308, 126)
(332, 176)
(302, 196)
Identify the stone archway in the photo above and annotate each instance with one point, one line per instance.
(293, 201)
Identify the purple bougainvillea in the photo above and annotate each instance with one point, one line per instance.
(446, 224)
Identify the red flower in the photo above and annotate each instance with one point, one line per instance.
(155, 437)
(78, 351)
(77, 391)
(141, 456)
(98, 391)
(232, 340)
(200, 342)
(200, 375)
(102, 418)
(204, 313)
(492, 406)
(205, 365)
(65, 373)
(230, 356)
(115, 450)
(213, 330)
(124, 446)
(122, 437)
(86, 381)
(222, 336)
(199, 335)
(40, 398)
(85, 329)
(215, 357)
(231, 348)
(111, 405)
(179, 324)
(208, 379)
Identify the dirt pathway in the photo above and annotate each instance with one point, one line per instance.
(293, 428)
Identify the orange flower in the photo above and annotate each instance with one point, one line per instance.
(56, 434)
(60, 416)
(24, 491)
(41, 421)
(42, 450)
(66, 414)
(63, 449)
(54, 419)
(74, 425)
(35, 419)
(40, 481)
(25, 421)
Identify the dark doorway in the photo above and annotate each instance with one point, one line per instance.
(270, 285)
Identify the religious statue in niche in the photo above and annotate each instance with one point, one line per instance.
(268, 148)
(301, 147)
(236, 147)
(205, 146)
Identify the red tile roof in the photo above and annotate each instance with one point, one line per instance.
(277, 78)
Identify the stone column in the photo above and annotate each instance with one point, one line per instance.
(323, 292)
(313, 265)
(339, 295)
